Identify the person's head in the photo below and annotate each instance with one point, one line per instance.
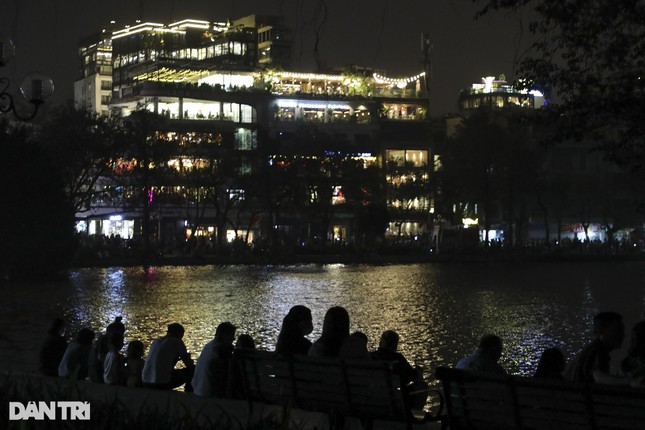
(609, 328)
(389, 340)
(299, 317)
(360, 335)
(116, 341)
(491, 346)
(135, 349)
(225, 332)
(336, 323)
(637, 347)
(85, 336)
(551, 364)
(245, 341)
(115, 326)
(57, 327)
(175, 330)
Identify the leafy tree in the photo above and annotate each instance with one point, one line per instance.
(590, 55)
(491, 163)
(83, 146)
(208, 169)
(468, 166)
(355, 82)
(37, 218)
(143, 169)
(370, 207)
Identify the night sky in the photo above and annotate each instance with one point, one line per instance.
(383, 34)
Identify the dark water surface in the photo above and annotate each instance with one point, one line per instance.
(440, 311)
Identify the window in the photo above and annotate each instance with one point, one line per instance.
(247, 114)
(237, 48)
(245, 139)
(396, 157)
(235, 194)
(418, 158)
(411, 157)
(338, 197)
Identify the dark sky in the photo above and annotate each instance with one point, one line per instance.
(384, 34)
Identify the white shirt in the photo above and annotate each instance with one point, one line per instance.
(211, 372)
(112, 368)
(162, 357)
(202, 379)
(75, 357)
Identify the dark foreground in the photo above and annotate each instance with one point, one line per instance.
(116, 408)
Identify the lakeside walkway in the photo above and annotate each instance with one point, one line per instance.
(175, 406)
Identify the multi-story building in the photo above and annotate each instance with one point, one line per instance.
(497, 94)
(575, 194)
(93, 90)
(237, 128)
(496, 102)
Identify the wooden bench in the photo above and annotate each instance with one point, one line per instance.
(364, 389)
(486, 402)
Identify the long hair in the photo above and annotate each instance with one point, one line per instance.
(335, 329)
(290, 330)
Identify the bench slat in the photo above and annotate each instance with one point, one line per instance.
(360, 388)
(486, 402)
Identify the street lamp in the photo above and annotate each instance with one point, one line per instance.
(35, 87)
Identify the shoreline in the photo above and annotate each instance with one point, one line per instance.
(367, 259)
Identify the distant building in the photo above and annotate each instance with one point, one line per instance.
(232, 113)
(498, 94)
(93, 89)
(581, 195)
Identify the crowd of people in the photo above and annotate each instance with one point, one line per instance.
(215, 373)
(591, 364)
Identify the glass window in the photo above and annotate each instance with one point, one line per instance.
(245, 139)
(236, 48)
(418, 158)
(236, 194)
(247, 114)
(396, 157)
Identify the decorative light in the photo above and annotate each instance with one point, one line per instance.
(286, 103)
(146, 26)
(310, 76)
(166, 74)
(488, 83)
(534, 93)
(35, 87)
(469, 222)
(192, 23)
(400, 83)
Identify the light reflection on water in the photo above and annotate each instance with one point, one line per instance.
(440, 311)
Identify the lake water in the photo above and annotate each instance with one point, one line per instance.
(440, 311)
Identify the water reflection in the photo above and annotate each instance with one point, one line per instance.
(439, 311)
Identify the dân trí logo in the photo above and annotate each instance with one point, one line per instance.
(49, 410)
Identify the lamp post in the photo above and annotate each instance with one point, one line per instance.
(35, 87)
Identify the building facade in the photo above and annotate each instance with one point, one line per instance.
(254, 152)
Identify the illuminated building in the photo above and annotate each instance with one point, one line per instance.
(498, 94)
(570, 194)
(229, 111)
(93, 90)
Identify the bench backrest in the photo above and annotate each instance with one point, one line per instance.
(480, 401)
(358, 388)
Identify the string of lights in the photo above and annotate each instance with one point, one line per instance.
(400, 82)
